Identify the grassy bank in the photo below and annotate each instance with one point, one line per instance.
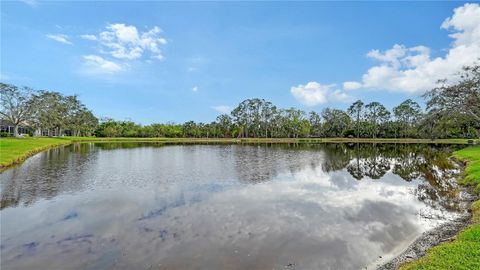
(464, 251)
(14, 151)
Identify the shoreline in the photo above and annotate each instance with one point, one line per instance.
(18, 160)
(455, 244)
(64, 141)
(446, 232)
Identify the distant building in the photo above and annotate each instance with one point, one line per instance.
(7, 127)
(24, 128)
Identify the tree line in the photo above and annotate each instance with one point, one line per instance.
(45, 112)
(452, 111)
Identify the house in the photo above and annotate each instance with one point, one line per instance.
(7, 127)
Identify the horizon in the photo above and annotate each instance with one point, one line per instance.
(208, 57)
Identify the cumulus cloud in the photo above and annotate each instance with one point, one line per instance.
(60, 38)
(95, 64)
(222, 108)
(195, 88)
(412, 69)
(314, 93)
(126, 42)
(120, 43)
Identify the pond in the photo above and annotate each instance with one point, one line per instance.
(155, 206)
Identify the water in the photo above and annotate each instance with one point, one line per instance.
(154, 206)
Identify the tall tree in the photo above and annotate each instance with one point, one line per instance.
(355, 111)
(224, 124)
(336, 122)
(241, 117)
(407, 114)
(268, 112)
(315, 124)
(377, 115)
(16, 105)
(51, 111)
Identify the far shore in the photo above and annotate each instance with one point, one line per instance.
(14, 151)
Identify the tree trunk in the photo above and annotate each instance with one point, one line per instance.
(15, 130)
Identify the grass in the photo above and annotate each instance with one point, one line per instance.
(472, 171)
(464, 251)
(14, 151)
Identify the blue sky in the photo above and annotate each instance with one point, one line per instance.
(178, 61)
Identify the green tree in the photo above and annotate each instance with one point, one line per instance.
(190, 129)
(224, 124)
(336, 122)
(356, 111)
(315, 124)
(377, 115)
(407, 114)
(51, 112)
(16, 105)
(462, 97)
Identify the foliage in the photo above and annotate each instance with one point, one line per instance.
(16, 105)
(453, 111)
(356, 112)
(460, 99)
(49, 111)
(407, 115)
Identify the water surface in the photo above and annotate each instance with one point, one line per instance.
(154, 206)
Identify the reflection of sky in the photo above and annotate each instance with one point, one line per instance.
(193, 208)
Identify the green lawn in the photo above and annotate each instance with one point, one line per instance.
(472, 172)
(14, 150)
(464, 251)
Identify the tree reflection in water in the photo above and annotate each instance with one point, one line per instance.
(67, 169)
(320, 206)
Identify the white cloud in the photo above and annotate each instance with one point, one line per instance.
(95, 64)
(195, 88)
(466, 24)
(351, 85)
(314, 93)
(340, 96)
(222, 108)
(89, 37)
(60, 38)
(126, 42)
(412, 70)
